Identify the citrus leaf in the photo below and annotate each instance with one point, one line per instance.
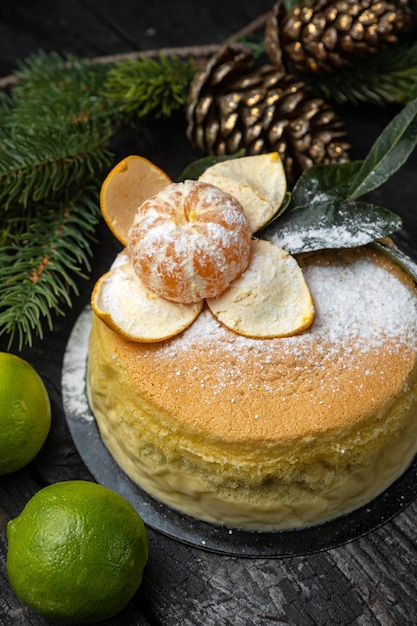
(404, 261)
(389, 152)
(331, 224)
(323, 182)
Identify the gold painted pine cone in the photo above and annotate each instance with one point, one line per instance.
(320, 36)
(234, 105)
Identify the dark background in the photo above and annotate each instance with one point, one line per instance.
(369, 581)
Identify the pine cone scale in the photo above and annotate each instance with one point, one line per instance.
(228, 124)
(211, 134)
(251, 116)
(345, 23)
(271, 100)
(330, 38)
(253, 98)
(299, 128)
(253, 134)
(202, 109)
(228, 104)
(293, 27)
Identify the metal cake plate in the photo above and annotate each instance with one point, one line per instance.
(219, 539)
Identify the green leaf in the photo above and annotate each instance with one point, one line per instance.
(404, 261)
(331, 224)
(150, 86)
(389, 152)
(194, 170)
(323, 182)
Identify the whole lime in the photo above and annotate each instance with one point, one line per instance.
(25, 413)
(76, 553)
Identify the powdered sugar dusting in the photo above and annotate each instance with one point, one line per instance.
(360, 303)
(355, 358)
(313, 238)
(74, 370)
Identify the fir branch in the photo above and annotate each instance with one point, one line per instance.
(55, 129)
(45, 72)
(290, 4)
(387, 77)
(150, 86)
(38, 162)
(6, 105)
(62, 87)
(39, 263)
(255, 44)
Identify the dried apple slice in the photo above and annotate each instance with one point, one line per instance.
(258, 182)
(128, 184)
(125, 305)
(270, 299)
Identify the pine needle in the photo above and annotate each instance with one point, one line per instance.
(39, 262)
(6, 105)
(387, 77)
(149, 86)
(36, 162)
(56, 130)
(63, 86)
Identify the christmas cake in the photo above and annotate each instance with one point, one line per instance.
(257, 431)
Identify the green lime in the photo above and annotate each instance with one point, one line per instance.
(25, 413)
(76, 553)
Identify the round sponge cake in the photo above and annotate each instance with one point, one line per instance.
(270, 433)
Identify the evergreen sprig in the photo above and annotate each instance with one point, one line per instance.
(56, 129)
(147, 87)
(5, 111)
(40, 259)
(34, 165)
(54, 139)
(389, 76)
(62, 88)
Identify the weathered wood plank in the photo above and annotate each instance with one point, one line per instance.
(87, 28)
(357, 583)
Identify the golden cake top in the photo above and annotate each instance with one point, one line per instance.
(354, 358)
(191, 241)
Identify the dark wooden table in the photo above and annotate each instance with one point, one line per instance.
(371, 580)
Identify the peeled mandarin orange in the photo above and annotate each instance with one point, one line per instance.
(130, 309)
(271, 299)
(190, 241)
(258, 182)
(124, 189)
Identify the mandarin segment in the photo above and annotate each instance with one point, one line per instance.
(190, 241)
(271, 299)
(127, 306)
(129, 183)
(258, 182)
